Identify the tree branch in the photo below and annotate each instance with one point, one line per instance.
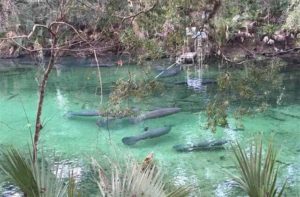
(38, 25)
(61, 48)
(73, 28)
(48, 28)
(138, 13)
(42, 86)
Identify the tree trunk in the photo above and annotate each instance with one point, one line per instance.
(42, 86)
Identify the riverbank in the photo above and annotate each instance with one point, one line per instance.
(234, 52)
(234, 32)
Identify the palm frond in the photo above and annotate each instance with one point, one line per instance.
(20, 171)
(258, 175)
(34, 179)
(181, 191)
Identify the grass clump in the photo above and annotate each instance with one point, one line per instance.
(134, 179)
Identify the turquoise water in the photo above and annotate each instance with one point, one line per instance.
(75, 86)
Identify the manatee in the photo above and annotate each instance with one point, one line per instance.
(201, 146)
(148, 134)
(71, 114)
(155, 114)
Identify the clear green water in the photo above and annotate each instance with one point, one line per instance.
(73, 88)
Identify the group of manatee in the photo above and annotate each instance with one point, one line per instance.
(160, 112)
(155, 132)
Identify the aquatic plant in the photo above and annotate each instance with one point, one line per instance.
(258, 175)
(34, 179)
(217, 114)
(126, 89)
(133, 88)
(134, 179)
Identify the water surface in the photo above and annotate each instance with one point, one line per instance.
(74, 85)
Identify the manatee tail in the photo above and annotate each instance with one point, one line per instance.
(129, 140)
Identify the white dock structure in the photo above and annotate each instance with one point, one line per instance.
(196, 53)
(187, 58)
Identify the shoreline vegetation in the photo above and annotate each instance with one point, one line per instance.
(236, 31)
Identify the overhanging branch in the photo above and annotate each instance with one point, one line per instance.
(138, 13)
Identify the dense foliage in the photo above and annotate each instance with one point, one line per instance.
(148, 28)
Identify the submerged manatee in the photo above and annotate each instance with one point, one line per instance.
(164, 72)
(155, 114)
(113, 122)
(71, 114)
(201, 146)
(151, 133)
(161, 112)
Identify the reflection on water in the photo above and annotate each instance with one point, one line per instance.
(61, 100)
(73, 88)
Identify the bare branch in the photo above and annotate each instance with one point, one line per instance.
(61, 48)
(138, 13)
(73, 28)
(34, 28)
(232, 61)
(52, 33)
